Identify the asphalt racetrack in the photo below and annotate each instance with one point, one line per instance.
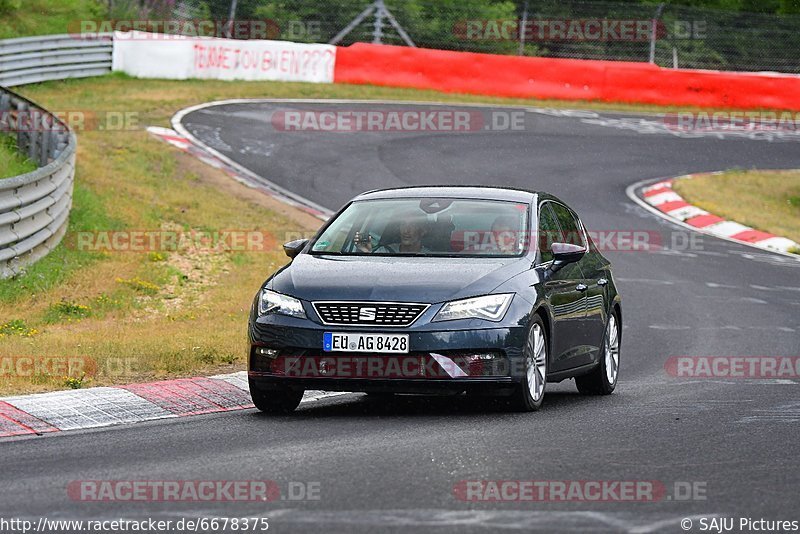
(393, 465)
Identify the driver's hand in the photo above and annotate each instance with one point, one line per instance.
(363, 242)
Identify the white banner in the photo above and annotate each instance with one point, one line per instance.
(174, 57)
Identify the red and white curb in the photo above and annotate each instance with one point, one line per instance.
(234, 170)
(662, 198)
(105, 406)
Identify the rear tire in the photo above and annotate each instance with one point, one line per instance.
(275, 400)
(530, 393)
(603, 379)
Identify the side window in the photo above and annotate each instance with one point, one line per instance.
(548, 232)
(572, 233)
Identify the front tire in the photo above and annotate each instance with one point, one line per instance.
(603, 379)
(275, 400)
(530, 393)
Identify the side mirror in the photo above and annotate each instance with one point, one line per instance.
(564, 253)
(293, 248)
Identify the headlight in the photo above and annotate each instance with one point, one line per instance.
(490, 307)
(271, 302)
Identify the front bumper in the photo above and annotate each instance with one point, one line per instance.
(444, 357)
(475, 385)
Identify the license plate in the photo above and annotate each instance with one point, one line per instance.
(358, 342)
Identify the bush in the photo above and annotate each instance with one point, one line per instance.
(7, 6)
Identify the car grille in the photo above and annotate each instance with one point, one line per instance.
(369, 313)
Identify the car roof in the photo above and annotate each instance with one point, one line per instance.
(451, 191)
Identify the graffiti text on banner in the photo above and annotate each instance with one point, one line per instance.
(224, 59)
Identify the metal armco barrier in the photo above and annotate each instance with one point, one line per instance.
(34, 207)
(54, 57)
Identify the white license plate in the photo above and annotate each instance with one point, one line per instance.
(358, 342)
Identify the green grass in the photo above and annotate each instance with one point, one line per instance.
(16, 327)
(66, 310)
(12, 163)
(764, 200)
(88, 214)
(49, 17)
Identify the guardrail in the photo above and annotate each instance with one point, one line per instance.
(34, 207)
(54, 57)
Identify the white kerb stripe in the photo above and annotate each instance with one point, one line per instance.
(659, 185)
(686, 212)
(727, 228)
(88, 408)
(780, 244)
(668, 196)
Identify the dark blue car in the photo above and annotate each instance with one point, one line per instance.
(429, 290)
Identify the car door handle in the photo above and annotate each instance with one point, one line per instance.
(602, 282)
(581, 287)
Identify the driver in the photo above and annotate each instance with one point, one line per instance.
(413, 228)
(504, 231)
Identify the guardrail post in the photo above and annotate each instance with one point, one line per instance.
(44, 153)
(653, 31)
(53, 145)
(5, 107)
(33, 121)
(22, 140)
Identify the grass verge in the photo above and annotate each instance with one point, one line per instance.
(46, 17)
(12, 163)
(764, 200)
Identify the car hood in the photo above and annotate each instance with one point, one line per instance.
(408, 279)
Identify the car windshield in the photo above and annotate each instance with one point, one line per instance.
(427, 227)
